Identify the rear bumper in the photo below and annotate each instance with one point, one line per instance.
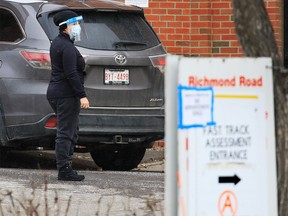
(132, 124)
(94, 129)
(120, 129)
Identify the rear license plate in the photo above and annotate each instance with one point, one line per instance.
(116, 76)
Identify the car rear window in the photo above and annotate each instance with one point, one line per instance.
(110, 31)
(10, 30)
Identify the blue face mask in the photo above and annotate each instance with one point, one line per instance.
(75, 33)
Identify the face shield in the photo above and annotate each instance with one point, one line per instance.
(75, 25)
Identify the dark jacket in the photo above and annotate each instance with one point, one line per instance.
(67, 76)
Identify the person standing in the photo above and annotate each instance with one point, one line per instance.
(65, 92)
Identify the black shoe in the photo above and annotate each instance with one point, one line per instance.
(66, 173)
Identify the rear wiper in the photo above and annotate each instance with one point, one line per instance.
(128, 43)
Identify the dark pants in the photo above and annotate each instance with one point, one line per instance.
(67, 111)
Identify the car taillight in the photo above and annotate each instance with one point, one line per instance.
(37, 59)
(159, 62)
(51, 122)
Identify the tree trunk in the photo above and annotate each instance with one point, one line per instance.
(256, 37)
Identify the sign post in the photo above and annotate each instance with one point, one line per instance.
(226, 140)
(171, 156)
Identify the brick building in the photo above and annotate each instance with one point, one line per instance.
(204, 27)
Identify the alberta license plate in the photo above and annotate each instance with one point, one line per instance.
(116, 76)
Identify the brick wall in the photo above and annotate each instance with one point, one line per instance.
(203, 27)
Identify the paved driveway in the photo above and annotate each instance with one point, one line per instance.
(101, 193)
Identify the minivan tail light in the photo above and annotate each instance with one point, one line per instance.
(37, 59)
(51, 122)
(158, 62)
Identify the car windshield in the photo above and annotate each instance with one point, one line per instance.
(110, 31)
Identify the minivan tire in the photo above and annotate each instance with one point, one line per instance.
(3, 156)
(118, 159)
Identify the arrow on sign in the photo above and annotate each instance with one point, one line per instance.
(229, 179)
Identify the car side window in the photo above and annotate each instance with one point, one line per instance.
(10, 31)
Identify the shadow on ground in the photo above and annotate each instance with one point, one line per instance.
(81, 161)
(43, 160)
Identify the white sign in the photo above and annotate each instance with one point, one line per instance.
(139, 3)
(195, 106)
(226, 140)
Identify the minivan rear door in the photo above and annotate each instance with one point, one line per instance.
(124, 58)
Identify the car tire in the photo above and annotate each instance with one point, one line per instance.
(120, 159)
(3, 140)
(3, 156)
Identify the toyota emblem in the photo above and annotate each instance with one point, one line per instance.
(120, 59)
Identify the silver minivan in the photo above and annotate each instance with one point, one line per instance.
(124, 79)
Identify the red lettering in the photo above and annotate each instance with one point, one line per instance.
(191, 81)
(250, 82)
(211, 82)
(227, 204)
